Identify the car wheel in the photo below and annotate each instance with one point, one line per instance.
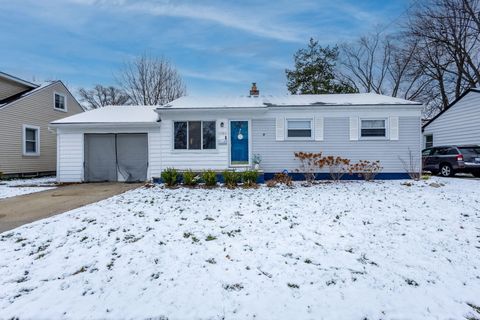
(446, 170)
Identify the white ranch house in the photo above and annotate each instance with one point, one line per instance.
(119, 143)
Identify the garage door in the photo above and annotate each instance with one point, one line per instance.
(113, 157)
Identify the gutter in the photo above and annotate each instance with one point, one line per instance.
(103, 124)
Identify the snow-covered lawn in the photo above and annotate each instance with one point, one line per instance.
(12, 188)
(351, 250)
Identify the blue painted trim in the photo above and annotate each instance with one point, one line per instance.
(297, 176)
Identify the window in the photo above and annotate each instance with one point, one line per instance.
(194, 135)
(426, 152)
(373, 128)
(428, 140)
(470, 151)
(31, 140)
(299, 128)
(445, 151)
(60, 102)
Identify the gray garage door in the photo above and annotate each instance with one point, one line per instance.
(108, 156)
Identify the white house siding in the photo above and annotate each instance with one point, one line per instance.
(279, 155)
(192, 159)
(460, 124)
(71, 150)
(70, 157)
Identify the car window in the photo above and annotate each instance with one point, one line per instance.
(470, 151)
(445, 151)
(426, 152)
(452, 151)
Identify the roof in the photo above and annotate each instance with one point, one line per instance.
(7, 101)
(111, 115)
(146, 114)
(477, 90)
(17, 80)
(353, 99)
(23, 94)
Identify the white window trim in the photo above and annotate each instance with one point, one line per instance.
(201, 150)
(24, 144)
(312, 128)
(64, 99)
(387, 130)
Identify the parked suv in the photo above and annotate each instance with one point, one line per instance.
(448, 160)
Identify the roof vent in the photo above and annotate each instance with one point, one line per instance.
(254, 92)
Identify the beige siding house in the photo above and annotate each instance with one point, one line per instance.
(27, 146)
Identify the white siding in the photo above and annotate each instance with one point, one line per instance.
(191, 159)
(458, 125)
(154, 153)
(70, 157)
(71, 151)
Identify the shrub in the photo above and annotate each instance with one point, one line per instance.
(231, 178)
(366, 169)
(412, 166)
(271, 183)
(283, 178)
(190, 178)
(170, 177)
(309, 164)
(209, 177)
(337, 166)
(250, 178)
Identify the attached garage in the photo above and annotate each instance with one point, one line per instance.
(109, 144)
(115, 157)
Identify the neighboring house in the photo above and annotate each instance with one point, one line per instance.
(459, 124)
(27, 147)
(137, 143)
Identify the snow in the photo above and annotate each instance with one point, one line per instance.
(17, 187)
(314, 100)
(351, 250)
(113, 114)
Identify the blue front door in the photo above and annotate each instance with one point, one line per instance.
(239, 143)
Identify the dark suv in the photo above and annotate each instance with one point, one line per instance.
(448, 160)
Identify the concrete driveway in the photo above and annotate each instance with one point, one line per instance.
(20, 210)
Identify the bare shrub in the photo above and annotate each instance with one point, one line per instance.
(283, 178)
(365, 169)
(412, 166)
(308, 164)
(337, 166)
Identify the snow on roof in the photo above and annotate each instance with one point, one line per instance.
(190, 102)
(113, 114)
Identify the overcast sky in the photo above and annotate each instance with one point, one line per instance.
(219, 47)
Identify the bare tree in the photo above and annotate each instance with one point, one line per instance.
(100, 96)
(151, 81)
(366, 62)
(448, 37)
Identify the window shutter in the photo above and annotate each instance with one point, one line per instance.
(280, 129)
(353, 128)
(318, 128)
(394, 133)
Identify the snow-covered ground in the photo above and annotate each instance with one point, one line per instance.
(352, 250)
(12, 188)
